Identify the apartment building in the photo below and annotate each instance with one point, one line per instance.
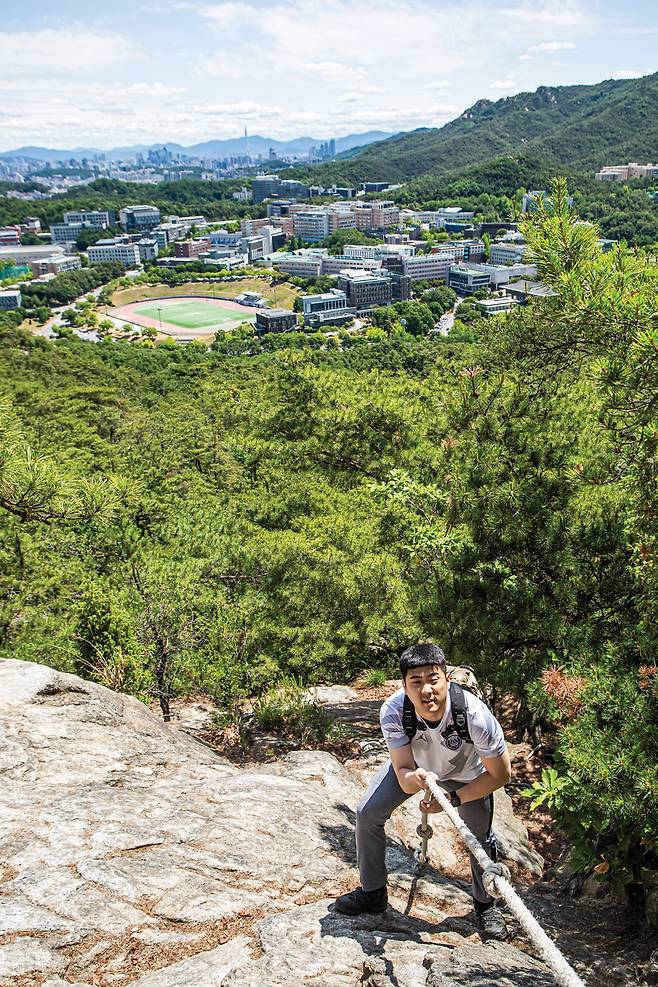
(430, 267)
(623, 173)
(125, 253)
(328, 308)
(133, 218)
(365, 290)
(57, 264)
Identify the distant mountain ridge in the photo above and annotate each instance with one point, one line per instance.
(582, 127)
(255, 144)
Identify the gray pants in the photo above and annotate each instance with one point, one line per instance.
(383, 796)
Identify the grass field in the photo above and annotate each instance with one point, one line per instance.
(190, 315)
(280, 295)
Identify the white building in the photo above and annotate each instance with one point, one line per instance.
(495, 306)
(303, 265)
(97, 219)
(66, 232)
(10, 299)
(125, 253)
(311, 225)
(148, 249)
(334, 265)
(430, 267)
(25, 255)
(623, 173)
(504, 253)
(378, 251)
(501, 274)
(57, 264)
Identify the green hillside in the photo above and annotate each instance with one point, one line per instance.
(581, 127)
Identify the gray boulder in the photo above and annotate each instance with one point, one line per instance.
(131, 853)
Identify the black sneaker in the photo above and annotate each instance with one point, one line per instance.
(492, 924)
(360, 902)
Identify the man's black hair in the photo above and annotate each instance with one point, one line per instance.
(421, 655)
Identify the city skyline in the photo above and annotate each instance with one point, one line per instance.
(186, 72)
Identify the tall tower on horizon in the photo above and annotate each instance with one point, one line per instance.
(246, 143)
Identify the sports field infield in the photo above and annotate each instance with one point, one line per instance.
(186, 317)
(196, 314)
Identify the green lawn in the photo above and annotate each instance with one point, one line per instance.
(193, 315)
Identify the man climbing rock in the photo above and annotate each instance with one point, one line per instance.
(433, 730)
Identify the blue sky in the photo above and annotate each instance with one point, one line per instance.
(140, 71)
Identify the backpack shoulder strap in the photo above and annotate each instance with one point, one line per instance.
(459, 714)
(410, 723)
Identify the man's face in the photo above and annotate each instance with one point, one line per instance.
(427, 687)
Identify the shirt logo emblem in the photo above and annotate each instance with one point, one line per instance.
(454, 742)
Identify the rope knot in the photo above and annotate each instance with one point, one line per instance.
(489, 875)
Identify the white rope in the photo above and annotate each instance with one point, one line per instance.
(496, 879)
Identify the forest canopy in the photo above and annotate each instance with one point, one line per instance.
(174, 520)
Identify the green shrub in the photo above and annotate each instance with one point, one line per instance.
(287, 710)
(374, 677)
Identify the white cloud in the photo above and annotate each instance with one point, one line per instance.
(551, 46)
(71, 51)
(152, 89)
(503, 85)
(244, 108)
(626, 74)
(334, 71)
(439, 84)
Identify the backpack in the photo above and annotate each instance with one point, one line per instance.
(461, 677)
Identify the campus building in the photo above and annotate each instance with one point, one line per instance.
(125, 253)
(334, 265)
(10, 299)
(328, 308)
(429, 267)
(137, 218)
(505, 253)
(365, 290)
(466, 280)
(275, 320)
(302, 265)
(192, 248)
(57, 264)
(96, 219)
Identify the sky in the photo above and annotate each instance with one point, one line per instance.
(81, 74)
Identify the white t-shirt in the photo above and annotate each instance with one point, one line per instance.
(452, 759)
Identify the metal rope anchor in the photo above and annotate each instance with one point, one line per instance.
(426, 833)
